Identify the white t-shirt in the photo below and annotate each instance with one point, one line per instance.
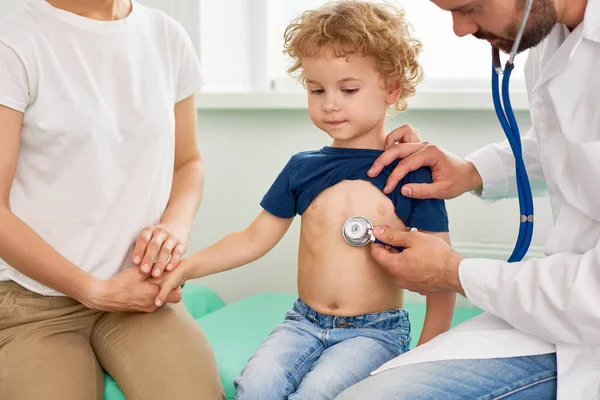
(97, 145)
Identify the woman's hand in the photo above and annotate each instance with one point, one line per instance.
(159, 248)
(130, 291)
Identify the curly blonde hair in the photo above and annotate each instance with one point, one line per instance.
(350, 27)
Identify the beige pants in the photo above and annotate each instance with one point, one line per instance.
(55, 348)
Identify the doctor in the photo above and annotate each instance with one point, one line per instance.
(540, 336)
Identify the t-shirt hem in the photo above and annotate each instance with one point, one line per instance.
(276, 211)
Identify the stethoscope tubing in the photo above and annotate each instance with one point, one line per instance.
(507, 120)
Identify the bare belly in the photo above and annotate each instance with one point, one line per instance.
(333, 277)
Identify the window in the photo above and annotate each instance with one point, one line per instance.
(241, 43)
(449, 62)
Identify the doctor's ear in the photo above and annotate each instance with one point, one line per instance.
(394, 91)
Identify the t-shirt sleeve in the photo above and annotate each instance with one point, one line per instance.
(429, 214)
(280, 200)
(189, 78)
(14, 86)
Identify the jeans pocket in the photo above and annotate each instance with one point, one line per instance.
(400, 338)
(404, 338)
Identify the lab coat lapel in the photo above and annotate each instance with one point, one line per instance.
(557, 50)
(591, 21)
(556, 53)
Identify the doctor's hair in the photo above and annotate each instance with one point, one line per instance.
(349, 27)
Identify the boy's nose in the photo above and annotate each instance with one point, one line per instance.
(330, 104)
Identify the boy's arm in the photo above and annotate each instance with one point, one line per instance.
(238, 248)
(234, 250)
(440, 307)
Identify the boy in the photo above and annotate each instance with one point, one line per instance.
(356, 60)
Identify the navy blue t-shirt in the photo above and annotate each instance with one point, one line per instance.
(308, 173)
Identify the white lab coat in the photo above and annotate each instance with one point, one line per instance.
(550, 304)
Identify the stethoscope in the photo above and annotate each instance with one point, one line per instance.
(358, 230)
(508, 121)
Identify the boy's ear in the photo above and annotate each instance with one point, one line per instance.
(393, 93)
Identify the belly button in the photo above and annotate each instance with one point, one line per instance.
(381, 209)
(333, 306)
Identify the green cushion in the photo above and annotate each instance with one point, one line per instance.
(199, 301)
(236, 331)
(111, 389)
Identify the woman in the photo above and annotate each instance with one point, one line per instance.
(99, 171)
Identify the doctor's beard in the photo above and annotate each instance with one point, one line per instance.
(542, 18)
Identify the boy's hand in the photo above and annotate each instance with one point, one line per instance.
(159, 248)
(404, 134)
(168, 283)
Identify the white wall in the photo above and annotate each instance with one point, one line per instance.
(245, 150)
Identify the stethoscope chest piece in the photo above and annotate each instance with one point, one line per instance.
(358, 231)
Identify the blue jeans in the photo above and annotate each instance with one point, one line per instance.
(517, 378)
(316, 356)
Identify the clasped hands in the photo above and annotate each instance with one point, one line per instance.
(156, 256)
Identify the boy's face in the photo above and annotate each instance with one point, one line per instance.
(498, 21)
(346, 96)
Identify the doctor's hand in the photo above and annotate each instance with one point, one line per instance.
(159, 248)
(452, 176)
(426, 265)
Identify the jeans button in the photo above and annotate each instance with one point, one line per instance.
(341, 323)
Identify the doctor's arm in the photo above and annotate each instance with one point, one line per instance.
(555, 298)
(495, 164)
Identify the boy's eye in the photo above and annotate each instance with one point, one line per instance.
(316, 91)
(349, 91)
